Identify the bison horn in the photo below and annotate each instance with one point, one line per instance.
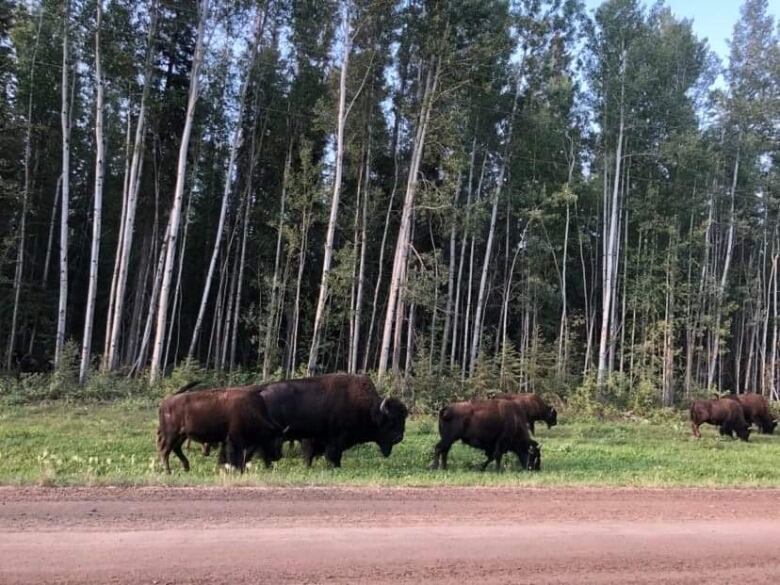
(383, 406)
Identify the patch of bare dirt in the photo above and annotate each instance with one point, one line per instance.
(364, 535)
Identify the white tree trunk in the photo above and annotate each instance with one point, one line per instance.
(21, 240)
(62, 310)
(125, 244)
(86, 347)
(234, 146)
(611, 245)
(120, 238)
(723, 280)
(319, 316)
(269, 329)
(362, 265)
(175, 216)
(476, 337)
(398, 277)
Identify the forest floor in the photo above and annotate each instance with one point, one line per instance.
(61, 444)
(334, 535)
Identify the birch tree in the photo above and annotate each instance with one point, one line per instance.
(229, 177)
(62, 311)
(175, 215)
(86, 345)
(341, 120)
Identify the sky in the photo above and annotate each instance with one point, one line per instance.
(713, 19)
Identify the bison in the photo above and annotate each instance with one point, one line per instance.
(237, 416)
(534, 408)
(495, 426)
(333, 412)
(756, 410)
(726, 414)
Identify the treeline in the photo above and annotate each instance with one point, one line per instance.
(417, 187)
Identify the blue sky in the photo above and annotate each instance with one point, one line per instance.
(713, 19)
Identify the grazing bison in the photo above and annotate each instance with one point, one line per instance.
(534, 408)
(333, 412)
(726, 414)
(495, 426)
(756, 410)
(236, 416)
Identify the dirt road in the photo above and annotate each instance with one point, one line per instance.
(324, 535)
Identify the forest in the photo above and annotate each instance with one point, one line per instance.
(514, 194)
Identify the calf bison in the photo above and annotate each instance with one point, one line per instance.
(218, 415)
(495, 426)
(534, 408)
(756, 410)
(334, 412)
(726, 414)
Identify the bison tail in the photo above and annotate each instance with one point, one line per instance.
(187, 387)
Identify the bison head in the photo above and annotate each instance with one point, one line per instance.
(390, 419)
(551, 418)
(743, 433)
(769, 427)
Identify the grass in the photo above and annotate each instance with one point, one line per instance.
(114, 444)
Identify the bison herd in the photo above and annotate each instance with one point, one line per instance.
(329, 414)
(733, 413)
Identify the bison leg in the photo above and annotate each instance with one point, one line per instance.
(440, 453)
(311, 449)
(222, 456)
(695, 429)
(236, 454)
(333, 454)
(206, 449)
(182, 457)
(168, 444)
(531, 427)
(165, 453)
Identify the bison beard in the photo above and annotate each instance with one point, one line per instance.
(726, 414)
(495, 426)
(334, 412)
(220, 415)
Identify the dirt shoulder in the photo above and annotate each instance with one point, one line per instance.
(349, 535)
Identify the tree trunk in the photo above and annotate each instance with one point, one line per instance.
(20, 245)
(319, 316)
(723, 280)
(477, 333)
(466, 229)
(612, 245)
(267, 354)
(398, 277)
(86, 347)
(238, 135)
(175, 216)
(65, 118)
(358, 313)
(125, 243)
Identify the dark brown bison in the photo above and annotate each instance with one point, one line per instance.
(333, 412)
(234, 416)
(726, 414)
(534, 408)
(495, 426)
(756, 410)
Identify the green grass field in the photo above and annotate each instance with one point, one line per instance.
(114, 444)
